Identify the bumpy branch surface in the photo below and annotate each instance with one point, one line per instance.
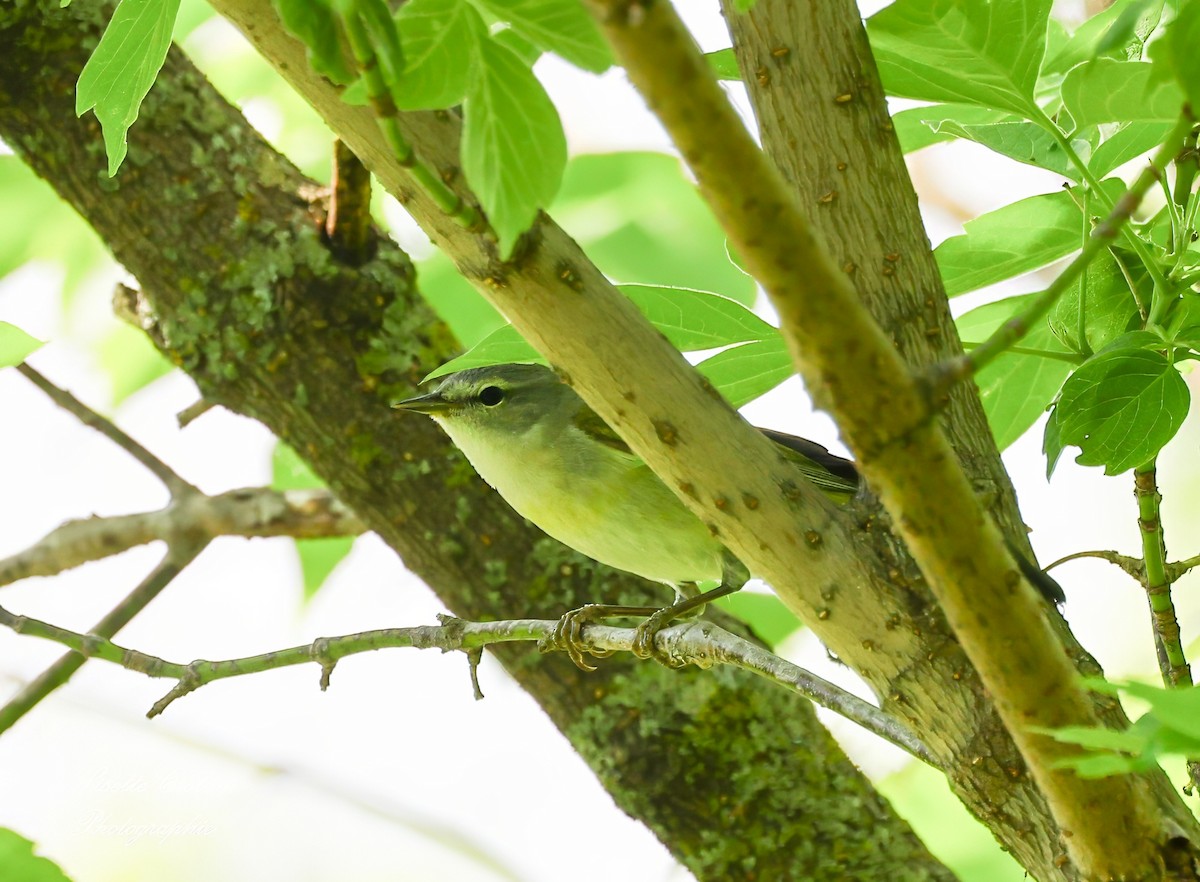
(240, 289)
(853, 370)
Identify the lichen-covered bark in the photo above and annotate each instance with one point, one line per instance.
(734, 776)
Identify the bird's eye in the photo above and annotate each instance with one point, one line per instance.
(491, 395)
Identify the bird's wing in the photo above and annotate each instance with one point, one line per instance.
(832, 474)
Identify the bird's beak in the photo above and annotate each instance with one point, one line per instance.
(431, 403)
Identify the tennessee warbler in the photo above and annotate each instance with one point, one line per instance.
(555, 461)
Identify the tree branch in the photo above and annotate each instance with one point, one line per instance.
(249, 512)
(888, 422)
(700, 643)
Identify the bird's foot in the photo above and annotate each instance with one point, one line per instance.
(567, 635)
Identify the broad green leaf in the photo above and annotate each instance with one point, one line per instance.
(764, 613)
(1120, 31)
(560, 26)
(1127, 142)
(1121, 407)
(1022, 236)
(743, 5)
(694, 320)
(122, 68)
(318, 557)
(130, 361)
(19, 863)
(1052, 443)
(504, 345)
(314, 24)
(455, 300)
(440, 40)
(1177, 709)
(513, 147)
(690, 320)
(1097, 738)
(962, 51)
(919, 127)
(641, 220)
(1102, 765)
(1017, 387)
(1108, 306)
(1176, 53)
(724, 64)
(1017, 139)
(16, 345)
(743, 373)
(514, 42)
(1104, 91)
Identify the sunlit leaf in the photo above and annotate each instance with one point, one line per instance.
(513, 147)
(122, 68)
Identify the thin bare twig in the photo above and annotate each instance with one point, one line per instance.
(701, 643)
(58, 673)
(68, 402)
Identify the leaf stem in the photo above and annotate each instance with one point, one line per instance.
(368, 36)
(946, 374)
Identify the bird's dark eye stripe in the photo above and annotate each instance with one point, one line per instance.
(491, 395)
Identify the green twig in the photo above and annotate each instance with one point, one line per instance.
(1172, 661)
(57, 674)
(370, 32)
(705, 645)
(947, 373)
(1174, 667)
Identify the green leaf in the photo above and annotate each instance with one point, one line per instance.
(1121, 407)
(1015, 388)
(16, 345)
(764, 613)
(314, 24)
(122, 69)
(513, 147)
(1177, 709)
(920, 127)
(1127, 142)
(743, 373)
(440, 40)
(1052, 443)
(694, 320)
(744, 5)
(1017, 139)
(962, 51)
(1098, 738)
(1177, 56)
(503, 346)
(757, 361)
(130, 361)
(1120, 31)
(1022, 236)
(1108, 306)
(19, 863)
(724, 64)
(690, 320)
(641, 220)
(559, 26)
(1104, 91)
(318, 557)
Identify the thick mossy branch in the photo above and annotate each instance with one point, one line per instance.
(240, 288)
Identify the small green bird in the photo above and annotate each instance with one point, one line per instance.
(555, 461)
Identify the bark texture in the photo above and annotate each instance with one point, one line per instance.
(240, 289)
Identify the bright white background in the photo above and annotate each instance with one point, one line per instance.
(395, 772)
